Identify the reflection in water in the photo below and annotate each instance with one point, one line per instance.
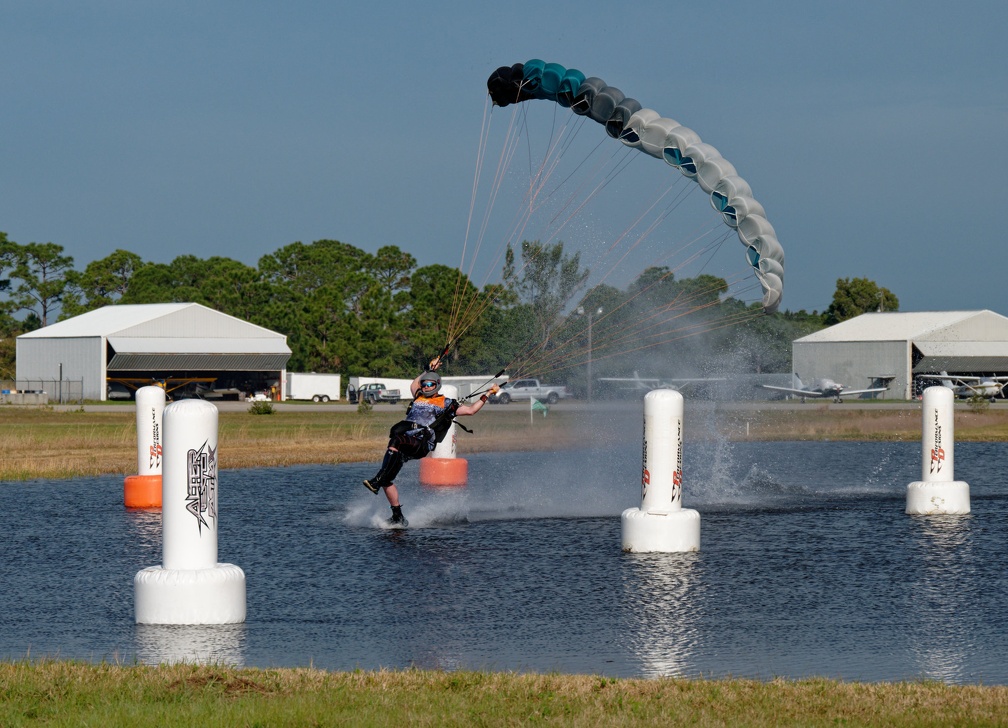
(145, 526)
(943, 584)
(660, 611)
(219, 644)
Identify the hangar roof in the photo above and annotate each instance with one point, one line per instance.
(174, 335)
(149, 320)
(952, 326)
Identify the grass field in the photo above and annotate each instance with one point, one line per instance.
(69, 693)
(45, 443)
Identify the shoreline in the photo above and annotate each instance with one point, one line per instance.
(181, 694)
(69, 442)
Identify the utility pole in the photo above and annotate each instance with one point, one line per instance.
(581, 312)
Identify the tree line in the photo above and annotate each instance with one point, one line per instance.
(357, 313)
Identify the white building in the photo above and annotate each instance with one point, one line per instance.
(894, 349)
(187, 347)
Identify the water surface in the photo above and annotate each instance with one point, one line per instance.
(808, 566)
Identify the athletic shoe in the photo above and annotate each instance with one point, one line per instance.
(398, 519)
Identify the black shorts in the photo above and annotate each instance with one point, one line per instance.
(411, 440)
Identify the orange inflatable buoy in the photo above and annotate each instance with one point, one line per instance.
(142, 491)
(444, 472)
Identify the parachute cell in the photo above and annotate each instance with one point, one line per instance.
(585, 95)
(676, 142)
(712, 171)
(645, 129)
(604, 104)
(569, 86)
(618, 119)
(654, 133)
(729, 188)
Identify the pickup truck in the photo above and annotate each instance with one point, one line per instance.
(374, 393)
(529, 388)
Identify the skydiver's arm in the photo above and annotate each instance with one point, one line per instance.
(471, 409)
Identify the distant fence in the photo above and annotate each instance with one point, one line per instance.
(58, 391)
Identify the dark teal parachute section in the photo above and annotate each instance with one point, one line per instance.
(625, 119)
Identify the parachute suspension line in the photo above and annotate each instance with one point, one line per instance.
(549, 162)
(480, 155)
(606, 349)
(654, 325)
(616, 339)
(618, 161)
(588, 177)
(733, 320)
(622, 163)
(650, 228)
(612, 337)
(537, 182)
(464, 316)
(459, 317)
(538, 358)
(559, 142)
(672, 254)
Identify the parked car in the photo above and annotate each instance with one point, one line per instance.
(522, 389)
(115, 390)
(373, 393)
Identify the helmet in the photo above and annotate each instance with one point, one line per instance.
(431, 377)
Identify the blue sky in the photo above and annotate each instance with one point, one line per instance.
(875, 134)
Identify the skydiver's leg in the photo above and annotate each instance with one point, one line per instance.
(390, 467)
(401, 448)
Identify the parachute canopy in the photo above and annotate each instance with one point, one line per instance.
(625, 119)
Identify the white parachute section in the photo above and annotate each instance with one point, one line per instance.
(679, 146)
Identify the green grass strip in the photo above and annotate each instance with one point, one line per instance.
(49, 692)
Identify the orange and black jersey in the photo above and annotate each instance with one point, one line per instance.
(432, 414)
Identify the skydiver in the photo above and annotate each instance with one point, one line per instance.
(428, 418)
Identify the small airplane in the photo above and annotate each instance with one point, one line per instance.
(965, 387)
(637, 383)
(821, 389)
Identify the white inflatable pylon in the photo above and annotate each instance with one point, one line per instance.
(190, 587)
(443, 468)
(938, 492)
(661, 523)
(143, 490)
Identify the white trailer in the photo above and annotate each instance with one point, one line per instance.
(316, 387)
